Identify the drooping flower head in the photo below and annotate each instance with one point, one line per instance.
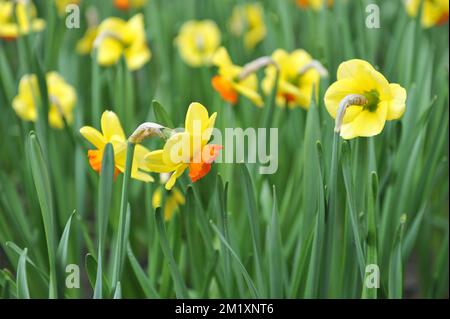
(116, 37)
(129, 4)
(314, 4)
(188, 149)
(112, 132)
(62, 98)
(435, 12)
(298, 75)
(248, 20)
(372, 100)
(228, 82)
(17, 18)
(197, 42)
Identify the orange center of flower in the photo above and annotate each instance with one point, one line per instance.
(199, 169)
(95, 160)
(122, 4)
(303, 3)
(289, 97)
(225, 89)
(443, 19)
(9, 38)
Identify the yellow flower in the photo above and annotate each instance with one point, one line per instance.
(86, 43)
(112, 132)
(22, 20)
(62, 4)
(383, 101)
(296, 80)
(248, 20)
(62, 99)
(128, 4)
(227, 82)
(174, 200)
(116, 37)
(188, 149)
(314, 4)
(197, 42)
(435, 12)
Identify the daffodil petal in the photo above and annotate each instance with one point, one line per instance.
(196, 118)
(366, 123)
(111, 125)
(173, 178)
(93, 136)
(398, 104)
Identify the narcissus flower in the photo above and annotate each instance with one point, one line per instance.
(435, 12)
(86, 43)
(17, 18)
(197, 42)
(62, 98)
(174, 200)
(62, 4)
(298, 75)
(116, 37)
(248, 20)
(129, 4)
(314, 4)
(228, 82)
(188, 149)
(362, 100)
(112, 132)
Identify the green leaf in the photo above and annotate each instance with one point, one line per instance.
(161, 115)
(144, 282)
(396, 264)
(91, 266)
(61, 254)
(23, 292)
(276, 273)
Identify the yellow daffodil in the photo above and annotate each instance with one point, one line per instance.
(86, 43)
(18, 17)
(116, 37)
(174, 200)
(298, 75)
(62, 98)
(62, 4)
(188, 149)
(129, 4)
(197, 42)
(228, 83)
(435, 12)
(248, 20)
(314, 4)
(112, 132)
(372, 100)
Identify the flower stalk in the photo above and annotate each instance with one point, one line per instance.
(351, 99)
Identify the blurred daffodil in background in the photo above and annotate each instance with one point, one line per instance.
(248, 21)
(228, 84)
(129, 4)
(112, 132)
(86, 44)
(116, 37)
(62, 99)
(197, 42)
(188, 149)
(435, 12)
(17, 18)
(378, 100)
(174, 199)
(299, 73)
(314, 4)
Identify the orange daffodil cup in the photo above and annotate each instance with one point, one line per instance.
(230, 83)
(188, 149)
(362, 100)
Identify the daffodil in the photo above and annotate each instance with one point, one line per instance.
(129, 4)
(363, 100)
(62, 4)
(298, 75)
(17, 18)
(112, 132)
(174, 200)
(435, 12)
(314, 4)
(188, 149)
(248, 20)
(86, 43)
(228, 82)
(197, 42)
(62, 98)
(116, 37)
